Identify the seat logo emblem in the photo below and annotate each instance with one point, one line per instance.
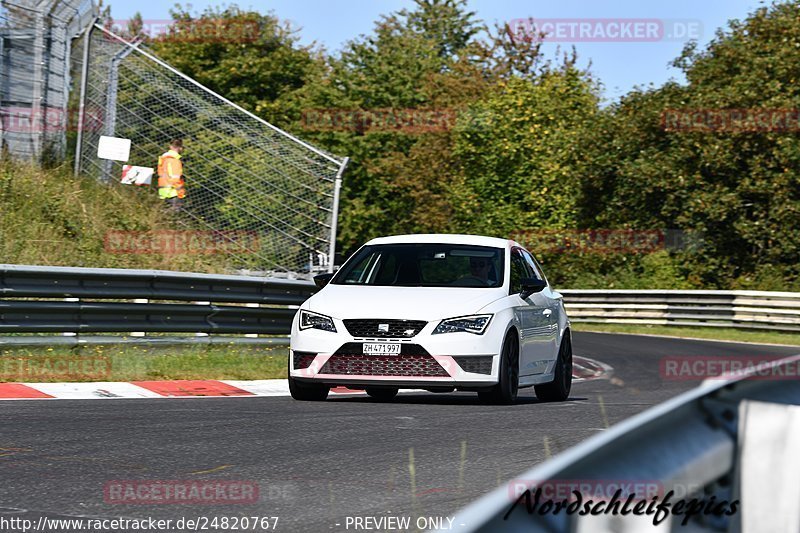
(383, 328)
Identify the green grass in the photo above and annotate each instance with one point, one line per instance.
(141, 363)
(727, 334)
(49, 217)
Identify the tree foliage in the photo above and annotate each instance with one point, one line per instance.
(250, 58)
(528, 146)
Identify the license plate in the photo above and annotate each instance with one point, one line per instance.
(382, 349)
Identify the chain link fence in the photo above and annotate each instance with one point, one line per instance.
(35, 77)
(247, 181)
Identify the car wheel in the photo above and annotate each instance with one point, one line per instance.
(505, 392)
(383, 394)
(558, 389)
(309, 392)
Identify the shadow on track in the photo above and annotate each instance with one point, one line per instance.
(448, 399)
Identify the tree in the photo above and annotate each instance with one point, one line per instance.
(415, 62)
(738, 186)
(518, 153)
(252, 59)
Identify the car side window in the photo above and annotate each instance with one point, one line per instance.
(532, 265)
(540, 269)
(519, 270)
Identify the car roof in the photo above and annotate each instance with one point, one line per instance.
(445, 238)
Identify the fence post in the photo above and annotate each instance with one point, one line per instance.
(111, 100)
(37, 122)
(4, 75)
(337, 186)
(87, 36)
(65, 90)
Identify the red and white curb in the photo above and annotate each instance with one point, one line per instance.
(151, 389)
(584, 369)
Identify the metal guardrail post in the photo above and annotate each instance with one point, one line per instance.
(252, 335)
(201, 334)
(139, 301)
(767, 467)
(70, 333)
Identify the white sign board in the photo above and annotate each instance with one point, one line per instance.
(132, 175)
(114, 148)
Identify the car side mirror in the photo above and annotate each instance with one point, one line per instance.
(531, 286)
(321, 280)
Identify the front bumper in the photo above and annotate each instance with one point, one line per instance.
(450, 360)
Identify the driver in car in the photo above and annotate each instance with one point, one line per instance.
(479, 269)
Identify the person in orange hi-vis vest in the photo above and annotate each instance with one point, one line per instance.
(171, 186)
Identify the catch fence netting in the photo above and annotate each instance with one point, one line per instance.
(269, 195)
(35, 46)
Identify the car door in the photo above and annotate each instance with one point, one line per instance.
(550, 304)
(534, 349)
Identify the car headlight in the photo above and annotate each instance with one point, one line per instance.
(471, 324)
(309, 320)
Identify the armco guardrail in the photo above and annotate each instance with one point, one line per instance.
(176, 302)
(38, 299)
(733, 440)
(778, 311)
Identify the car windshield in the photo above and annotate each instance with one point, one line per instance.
(424, 265)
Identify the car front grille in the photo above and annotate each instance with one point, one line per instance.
(379, 365)
(477, 365)
(302, 359)
(376, 328)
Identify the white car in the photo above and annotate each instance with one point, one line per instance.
(433, 312)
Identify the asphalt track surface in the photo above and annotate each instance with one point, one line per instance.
(317, 463)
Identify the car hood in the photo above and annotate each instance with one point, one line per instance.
(411, 303)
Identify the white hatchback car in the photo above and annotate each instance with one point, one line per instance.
(433, 312)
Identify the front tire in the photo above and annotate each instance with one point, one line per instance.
(558, 389)
(383, 394)
(307, 392)
(505, 392)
